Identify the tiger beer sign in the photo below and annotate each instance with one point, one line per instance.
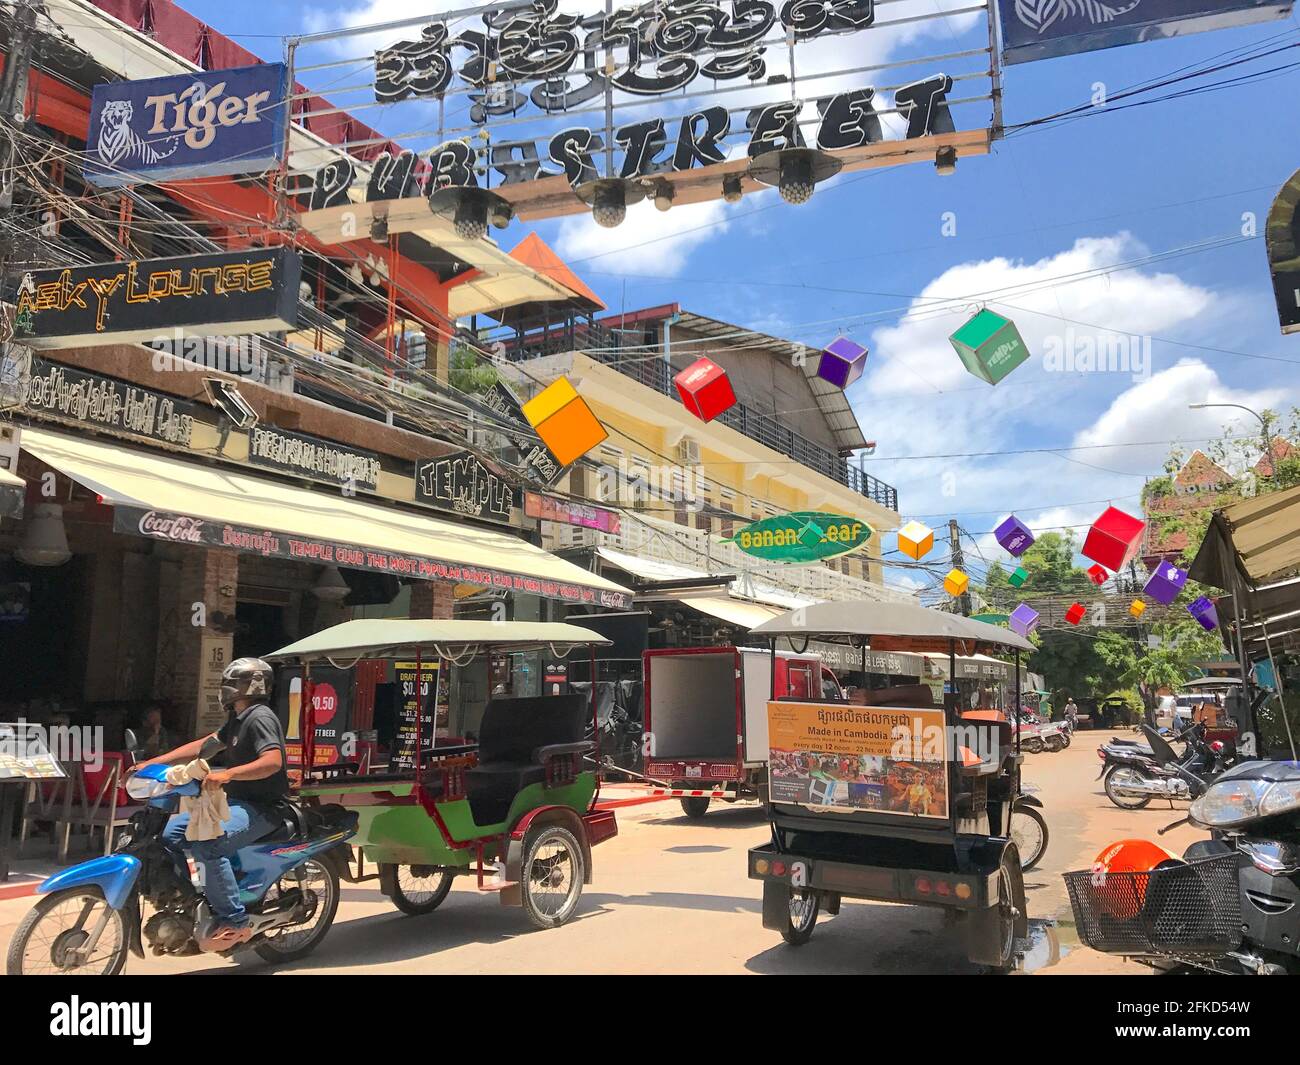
(186, 126)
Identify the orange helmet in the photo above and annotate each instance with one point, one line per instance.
(1124, 896)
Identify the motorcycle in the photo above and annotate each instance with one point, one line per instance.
(1028, 828)
(1133, 775)
(1231, 905)
(90, 915)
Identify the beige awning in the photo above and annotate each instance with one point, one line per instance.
(733, 611)
(1257, 539)
(167, 498)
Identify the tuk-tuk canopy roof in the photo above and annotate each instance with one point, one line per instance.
(398, 637)
(893, 626)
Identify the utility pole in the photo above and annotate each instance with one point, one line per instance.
(958, 562)
(13, 95)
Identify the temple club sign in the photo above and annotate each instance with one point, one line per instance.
(630, 54)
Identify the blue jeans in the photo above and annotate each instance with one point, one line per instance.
(247, 825)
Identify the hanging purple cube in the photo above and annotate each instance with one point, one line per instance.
(1165, 582)
(1204, 612)
(1014, 535)
(842, 362)
(1024, 620)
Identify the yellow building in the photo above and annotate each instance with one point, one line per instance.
(685, 486)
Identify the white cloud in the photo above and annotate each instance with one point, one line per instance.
(915, 357)
(649, 241)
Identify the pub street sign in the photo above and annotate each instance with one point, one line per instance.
(538, 63)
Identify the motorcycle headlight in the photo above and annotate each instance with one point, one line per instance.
(143, 789)
(1234, 802)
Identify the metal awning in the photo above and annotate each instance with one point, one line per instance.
(393, 637)
(13, 489)
(650, 569)
(170, 499)
(1251, 542)
(892, 626)
(733, 611)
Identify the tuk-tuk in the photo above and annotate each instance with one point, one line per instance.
(516, 810)
(897, 797)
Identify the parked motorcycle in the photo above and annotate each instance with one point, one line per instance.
(1133, 775)
(1028, 828)
(1232, 903)
(90, 916)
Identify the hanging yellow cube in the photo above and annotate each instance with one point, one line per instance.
(956, 583)
(1138, 608)
(564, 421)
(915, 540)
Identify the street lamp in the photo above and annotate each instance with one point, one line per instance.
(1263, 423)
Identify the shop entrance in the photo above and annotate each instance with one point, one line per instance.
(259, 629)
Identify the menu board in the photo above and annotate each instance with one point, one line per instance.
(411, 706)
(886, 760)
(24, 755)
(331, 701)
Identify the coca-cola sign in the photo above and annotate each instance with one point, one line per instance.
(174, 527)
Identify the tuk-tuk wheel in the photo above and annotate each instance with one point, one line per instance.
(695, 807)
(416, 889)
(551, 876)
(1033, 745)
(804, 907)
(991, 934)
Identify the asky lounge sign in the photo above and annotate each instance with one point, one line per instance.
(625, 57)
(460, 484)
(120, 302)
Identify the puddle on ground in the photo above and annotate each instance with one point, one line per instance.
(1044, 947)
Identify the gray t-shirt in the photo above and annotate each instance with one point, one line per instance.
(247, 736)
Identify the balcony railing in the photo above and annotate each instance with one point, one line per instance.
(648, 368)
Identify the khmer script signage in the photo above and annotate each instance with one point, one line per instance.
(540, 63)
(187, 125)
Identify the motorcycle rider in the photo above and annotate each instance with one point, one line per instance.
(252, 770)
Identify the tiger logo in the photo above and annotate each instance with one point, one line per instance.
(1041, 14)
(118, 142)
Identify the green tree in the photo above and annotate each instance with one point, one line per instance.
(470, 373)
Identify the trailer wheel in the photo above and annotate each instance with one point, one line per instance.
(804, 906)
(416, 889)
(991, 933)
(695, 806)
(552, 875)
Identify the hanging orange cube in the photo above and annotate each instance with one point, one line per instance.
(564, 421)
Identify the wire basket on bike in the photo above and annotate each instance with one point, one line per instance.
(1176, 910)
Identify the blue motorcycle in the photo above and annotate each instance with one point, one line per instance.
(91, 913)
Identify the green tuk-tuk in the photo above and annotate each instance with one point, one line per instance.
(898, 796)
(516, 810)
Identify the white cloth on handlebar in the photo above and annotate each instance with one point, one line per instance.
(207, 810)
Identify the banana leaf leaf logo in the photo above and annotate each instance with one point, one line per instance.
(1041, 15)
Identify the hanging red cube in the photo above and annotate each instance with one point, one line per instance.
(1097, 575)
(1114, 539)
(705, 389)
(1075, 614)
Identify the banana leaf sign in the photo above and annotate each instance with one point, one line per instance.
(803, 537)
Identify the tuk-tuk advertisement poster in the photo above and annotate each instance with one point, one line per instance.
(881, 759)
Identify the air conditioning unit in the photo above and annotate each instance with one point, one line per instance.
(688, 452)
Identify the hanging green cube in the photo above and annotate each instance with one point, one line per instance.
(1017, 579)
(990, 346)
(811, 535)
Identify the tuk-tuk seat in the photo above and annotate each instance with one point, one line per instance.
(512, 738)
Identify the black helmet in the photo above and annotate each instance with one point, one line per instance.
(245, 678)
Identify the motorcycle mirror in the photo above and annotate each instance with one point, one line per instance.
(211, 748)
(129, 740)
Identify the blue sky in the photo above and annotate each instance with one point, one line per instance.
(1079, 199)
